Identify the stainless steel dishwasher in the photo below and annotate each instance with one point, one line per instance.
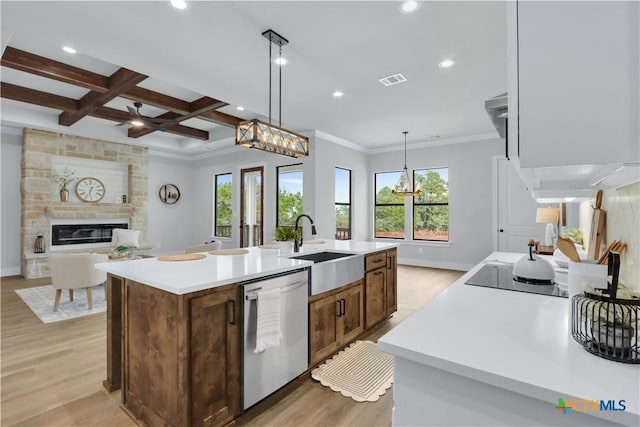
(265, 372)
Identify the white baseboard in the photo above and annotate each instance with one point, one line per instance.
(10, 271)
(435, 264)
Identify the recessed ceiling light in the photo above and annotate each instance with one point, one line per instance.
(137, 123)
(240, 108)
(409, 6)
(69, 49)
(281, 61)
(446, 63)
(179, 4)
(338, 94)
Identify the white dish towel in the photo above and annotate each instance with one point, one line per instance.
(268, 330)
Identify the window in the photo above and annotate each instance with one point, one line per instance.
(389, 208)
(222, 221)
(431, 207)
(343, 204)
(290, 200)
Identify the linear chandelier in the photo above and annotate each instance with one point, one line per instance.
(266, 136)
(403, 187)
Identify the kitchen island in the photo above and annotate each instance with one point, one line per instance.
(173, 328)
(481, 356)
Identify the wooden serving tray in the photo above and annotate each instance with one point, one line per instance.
(181, 257)
(273, 246)
(229, 252)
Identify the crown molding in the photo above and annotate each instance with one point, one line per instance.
(436, 142)
(327, 137)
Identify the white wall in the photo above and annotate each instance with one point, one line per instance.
(328, 156)
(10, 154)
(470, 201)
(169, 226)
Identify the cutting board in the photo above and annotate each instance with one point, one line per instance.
(597, 228)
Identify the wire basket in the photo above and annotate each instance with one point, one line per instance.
(605, 325)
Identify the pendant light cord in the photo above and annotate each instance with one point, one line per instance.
(270, 43)
(280, 89)
(405, 148)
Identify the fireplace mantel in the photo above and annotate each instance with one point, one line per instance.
(74, 210)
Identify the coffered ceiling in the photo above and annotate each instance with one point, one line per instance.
(197, 65)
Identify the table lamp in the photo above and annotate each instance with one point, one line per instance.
(550, 217)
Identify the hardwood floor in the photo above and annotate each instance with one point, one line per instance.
(52, 374)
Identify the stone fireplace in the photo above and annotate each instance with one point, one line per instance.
(44, 151)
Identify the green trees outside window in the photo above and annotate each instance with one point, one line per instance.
(389, 208)
(431, 206)
(430, 209)
(222, 221)
(290, 194)
(343, 203)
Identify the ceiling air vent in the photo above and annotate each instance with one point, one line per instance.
(393, 79)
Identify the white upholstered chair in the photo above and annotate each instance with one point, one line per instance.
(211, 246)
(74, 271)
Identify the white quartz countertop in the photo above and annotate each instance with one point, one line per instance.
(217, 270)
(514, 340)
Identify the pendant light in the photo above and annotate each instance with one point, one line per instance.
(266, 136)
(404, 187)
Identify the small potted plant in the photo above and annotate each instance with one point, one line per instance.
(63, 179)
(121, 251)
(286, 236)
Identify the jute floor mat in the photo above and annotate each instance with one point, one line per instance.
(360, 372)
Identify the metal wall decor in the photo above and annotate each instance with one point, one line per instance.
(265, 136)
(169, 194)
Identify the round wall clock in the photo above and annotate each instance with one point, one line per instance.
(169, 194)
(90, 190)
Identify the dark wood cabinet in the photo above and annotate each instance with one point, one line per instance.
(391, 285)
(375, 296)
(335, 319)
(381, 286)
(181, 356)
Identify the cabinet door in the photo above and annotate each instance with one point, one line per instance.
(215, 358)
(391, 292)
(352, 317)
(374, 294)
(577, 82)
(323, 332)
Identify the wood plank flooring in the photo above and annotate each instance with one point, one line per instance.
(51, 375)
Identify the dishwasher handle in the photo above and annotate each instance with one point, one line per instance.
(253, 295)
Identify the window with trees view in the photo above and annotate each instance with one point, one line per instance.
(222, 221)
(389, 208)
(343, 204)
(431, 206)
(290, 200)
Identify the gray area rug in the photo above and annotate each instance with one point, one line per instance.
(40, 301)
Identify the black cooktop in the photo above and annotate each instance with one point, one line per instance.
(501, 277)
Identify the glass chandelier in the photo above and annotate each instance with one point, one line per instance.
(266, 136)
(403, 187)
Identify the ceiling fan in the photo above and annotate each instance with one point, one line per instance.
(138, 120)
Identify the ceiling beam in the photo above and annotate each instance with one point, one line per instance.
(120, 81)
(158, 100)
(45, 67)
(197, 107)
(44, 99)
(36, 97)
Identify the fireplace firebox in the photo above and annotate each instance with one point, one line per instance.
(78, 234)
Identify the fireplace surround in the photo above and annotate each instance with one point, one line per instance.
(41, 205)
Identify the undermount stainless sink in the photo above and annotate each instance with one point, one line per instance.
(331, 270)
(321, 256)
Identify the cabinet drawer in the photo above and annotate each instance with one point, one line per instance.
(374, 261)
